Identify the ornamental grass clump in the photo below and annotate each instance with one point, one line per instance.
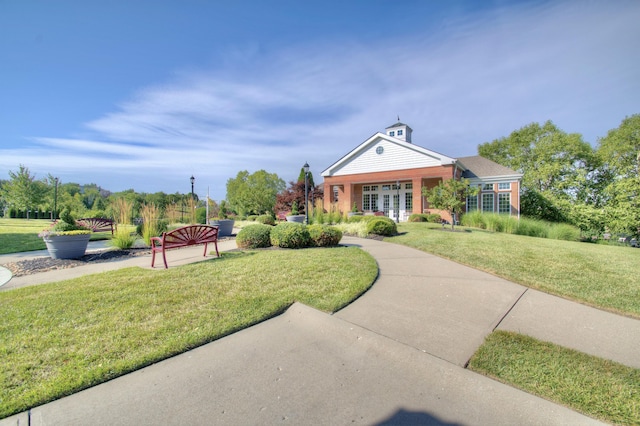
(254, 236)
(324, 235)
(290, 235)
(150, 214)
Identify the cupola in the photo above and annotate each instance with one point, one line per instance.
(400, 131)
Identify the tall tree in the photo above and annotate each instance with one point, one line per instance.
(619, 152)
(558, 168)
(253, 193)
(450, 196)
(22, 191)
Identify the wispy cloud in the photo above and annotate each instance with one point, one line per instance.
(478, 79)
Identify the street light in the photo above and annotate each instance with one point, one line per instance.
(193, 201)
(55, 199)
(192, 179)
(306, 197)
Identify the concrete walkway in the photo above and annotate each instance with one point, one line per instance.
(394, 356)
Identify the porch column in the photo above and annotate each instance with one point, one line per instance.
(417, 194)
(346, 202)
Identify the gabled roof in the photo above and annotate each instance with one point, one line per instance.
(478, 167)
(382, 153)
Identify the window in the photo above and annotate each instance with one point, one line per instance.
(487, 187)
(374, 187)
(396, 202)
(374, 202)
(366, 202)
(386, 187)
(487, 202)
(408, 201)
(392, 133)
(399, 132)
(504, 186)
(335, 194)
(366, 188)
(395, 186)
(385, 204)
(504, 203)
(472, 203)
(408, 185)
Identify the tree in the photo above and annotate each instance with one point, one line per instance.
(558, 168)
(619, 152)
(23, 191)
(450, 196)
(253, 193)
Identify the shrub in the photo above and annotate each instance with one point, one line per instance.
(290, 235)
(265, 219)
(357, 218)
(417, 217)
(382, 226)
(474, 219)
(252, 217)
(254, 236)
(324, 235)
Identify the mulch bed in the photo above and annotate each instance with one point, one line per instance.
(44, 264)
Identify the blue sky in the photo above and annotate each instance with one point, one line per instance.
(143, 94)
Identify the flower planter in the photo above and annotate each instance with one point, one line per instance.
(67, 246)
(225, 226)
(298, 218)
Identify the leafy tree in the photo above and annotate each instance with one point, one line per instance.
(619, 152)
(295, 193)
(310, 182)
(23, 191)
(556, 167)
(450, 195)
(253, 193)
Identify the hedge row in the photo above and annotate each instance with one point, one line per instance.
(288, 235)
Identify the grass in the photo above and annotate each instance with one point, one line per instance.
(598, 275)
(593, 386)
(59, 338)
(18, 235)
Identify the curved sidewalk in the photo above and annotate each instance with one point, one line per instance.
(394, 356)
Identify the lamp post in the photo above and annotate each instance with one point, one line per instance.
(397, 206)
(306, 196)
(193, 201)
(55, 199)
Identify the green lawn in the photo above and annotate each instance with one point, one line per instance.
(57, 339)
(598, 275)
(596, 387)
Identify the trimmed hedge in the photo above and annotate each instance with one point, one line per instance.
(290, 235)
(382, 226)
(324, 235)
(265, 219)
(254, 236)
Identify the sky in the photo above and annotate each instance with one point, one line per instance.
(145, 94)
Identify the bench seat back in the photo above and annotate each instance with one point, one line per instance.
(190, 235)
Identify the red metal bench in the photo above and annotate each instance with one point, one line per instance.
(189, 235)
(97, 224)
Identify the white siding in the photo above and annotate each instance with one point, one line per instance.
(394, 157)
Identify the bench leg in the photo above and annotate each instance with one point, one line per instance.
(153, 257)
(164, 257)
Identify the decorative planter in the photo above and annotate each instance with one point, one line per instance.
(225, 226)
(299, 218)
(67, 246)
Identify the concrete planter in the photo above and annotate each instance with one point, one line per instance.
(225, 226)
(298, 218)
(67, 246)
